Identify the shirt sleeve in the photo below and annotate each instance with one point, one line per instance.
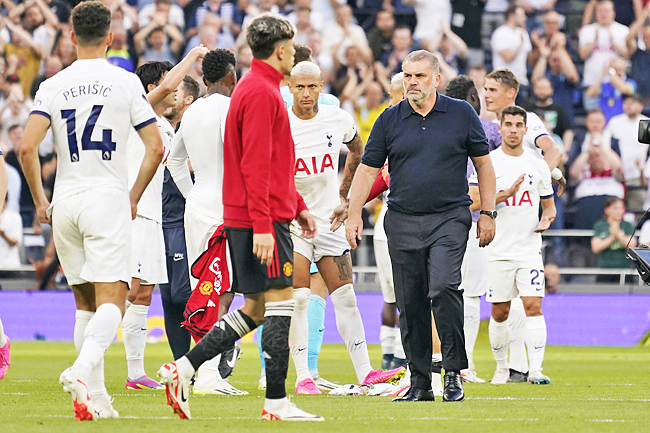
(376, 149)
(177, 164)
(545, 184)
(477, 144)
(142, 113)
(536, 127)
(498, 42)
(41, 103)
(349, 128)
(601, 229)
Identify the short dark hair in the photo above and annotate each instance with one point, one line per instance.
(191, 87)
(215, 64)
(152, 73)
(505, 77)
(266, 32)
(513, 110)
(91, 22)
(459, 87)
(303, 53)
(512, 9)
(14, 126)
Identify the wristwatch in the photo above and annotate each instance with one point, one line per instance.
(491, 213)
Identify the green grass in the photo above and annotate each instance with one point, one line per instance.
(593, 390)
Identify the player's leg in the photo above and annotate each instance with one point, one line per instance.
(530, 281)
(518, 360)
(316, 317)
(389, 336)
(299, 331)
(5, 360)
(501, 290)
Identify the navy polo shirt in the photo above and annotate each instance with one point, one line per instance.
(427, 156)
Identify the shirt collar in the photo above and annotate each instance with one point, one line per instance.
(267, 71)
(405, 109)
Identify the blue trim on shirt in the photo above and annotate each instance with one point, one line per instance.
(546, 196)
(145, 123)
(42, 113)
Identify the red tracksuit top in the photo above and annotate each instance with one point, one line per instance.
(258, 153)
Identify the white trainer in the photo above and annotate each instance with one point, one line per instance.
(324, 385)
(537, 378)
(284, 410)
(215, 386)
(262, 383)
(436, 384)
(471, 377)
(104, 409)
(501, 376)
(82, 405)
(176, 390)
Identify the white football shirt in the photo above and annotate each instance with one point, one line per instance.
(150, 204)
(200, 137)
(518, 216)
(92, 106)
(318, 142)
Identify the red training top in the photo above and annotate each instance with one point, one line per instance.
(258, 155)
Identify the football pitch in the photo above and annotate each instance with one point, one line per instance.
(594, 389)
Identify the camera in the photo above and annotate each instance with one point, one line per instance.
(644, 131)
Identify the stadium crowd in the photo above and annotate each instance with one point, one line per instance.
(580, 65)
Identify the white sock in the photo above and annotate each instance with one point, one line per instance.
(3, 337)
(207, 371)
(472, 323)
(127, 305)
(100, 332)
(517, 323)
(536, 341)
(134, 333)
(274, 403)
(387, 337)
(499, 340)
(184, 368)
(436, 357)
(350, 326)
(299, 333)
(96, 383)
(398, 349)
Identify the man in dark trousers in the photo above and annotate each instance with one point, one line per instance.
(260, 200)
(427, 139)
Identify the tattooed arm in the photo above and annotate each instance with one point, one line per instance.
(352, 161)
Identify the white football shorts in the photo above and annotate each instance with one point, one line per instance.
(508, 279)
(384, 270)
(326, 243)
(474, 266)
(148, 261)
(92, 234)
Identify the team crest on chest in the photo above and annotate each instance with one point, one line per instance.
(329, 138)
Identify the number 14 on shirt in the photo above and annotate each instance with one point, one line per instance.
(106, 145)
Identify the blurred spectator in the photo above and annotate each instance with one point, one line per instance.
(494, 15)
(611, 236)
(429, 14)
(227, 12)
(123, 15)
(551, 277)
(510, 47)
(402, 43)
(244, 59)
(534, 9)
(162, 11)
(65, 50)
(549, 36)
(640, 54)
(345, 34)
(316, 18)
(14, 188)
(611, 87)
(368, 108)
(600, 42)
(119, 53)
(466, 22)
(303, 25)
(624, 128)
(210, 34)
(553, 114)
(597, 171)
(595, 124)
(556, 65)
(158, 40)
(353, 69)
(24, 52)
(324, 61)
(626, 11)
(381, 35)
(38, 20)
(477, 74)
(13, 111)
(324, 10)
(52, 67)
(285, 7)
(11, 233)
(27, 208)
(453, 50)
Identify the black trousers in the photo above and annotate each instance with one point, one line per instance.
(427, 253)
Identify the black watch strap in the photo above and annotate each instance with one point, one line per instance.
(491, 213)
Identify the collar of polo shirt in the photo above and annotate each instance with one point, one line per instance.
(405, 109)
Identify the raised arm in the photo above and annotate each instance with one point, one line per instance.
(176, 75)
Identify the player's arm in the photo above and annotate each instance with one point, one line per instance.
(176, 75)
(361, 185)
(500, 197)
(552, 152)
(487, 192)
(548, 214)
(352, 161)
(177, 164)
(35, 130)
(153, 155)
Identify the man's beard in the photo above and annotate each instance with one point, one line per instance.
(419, 98)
